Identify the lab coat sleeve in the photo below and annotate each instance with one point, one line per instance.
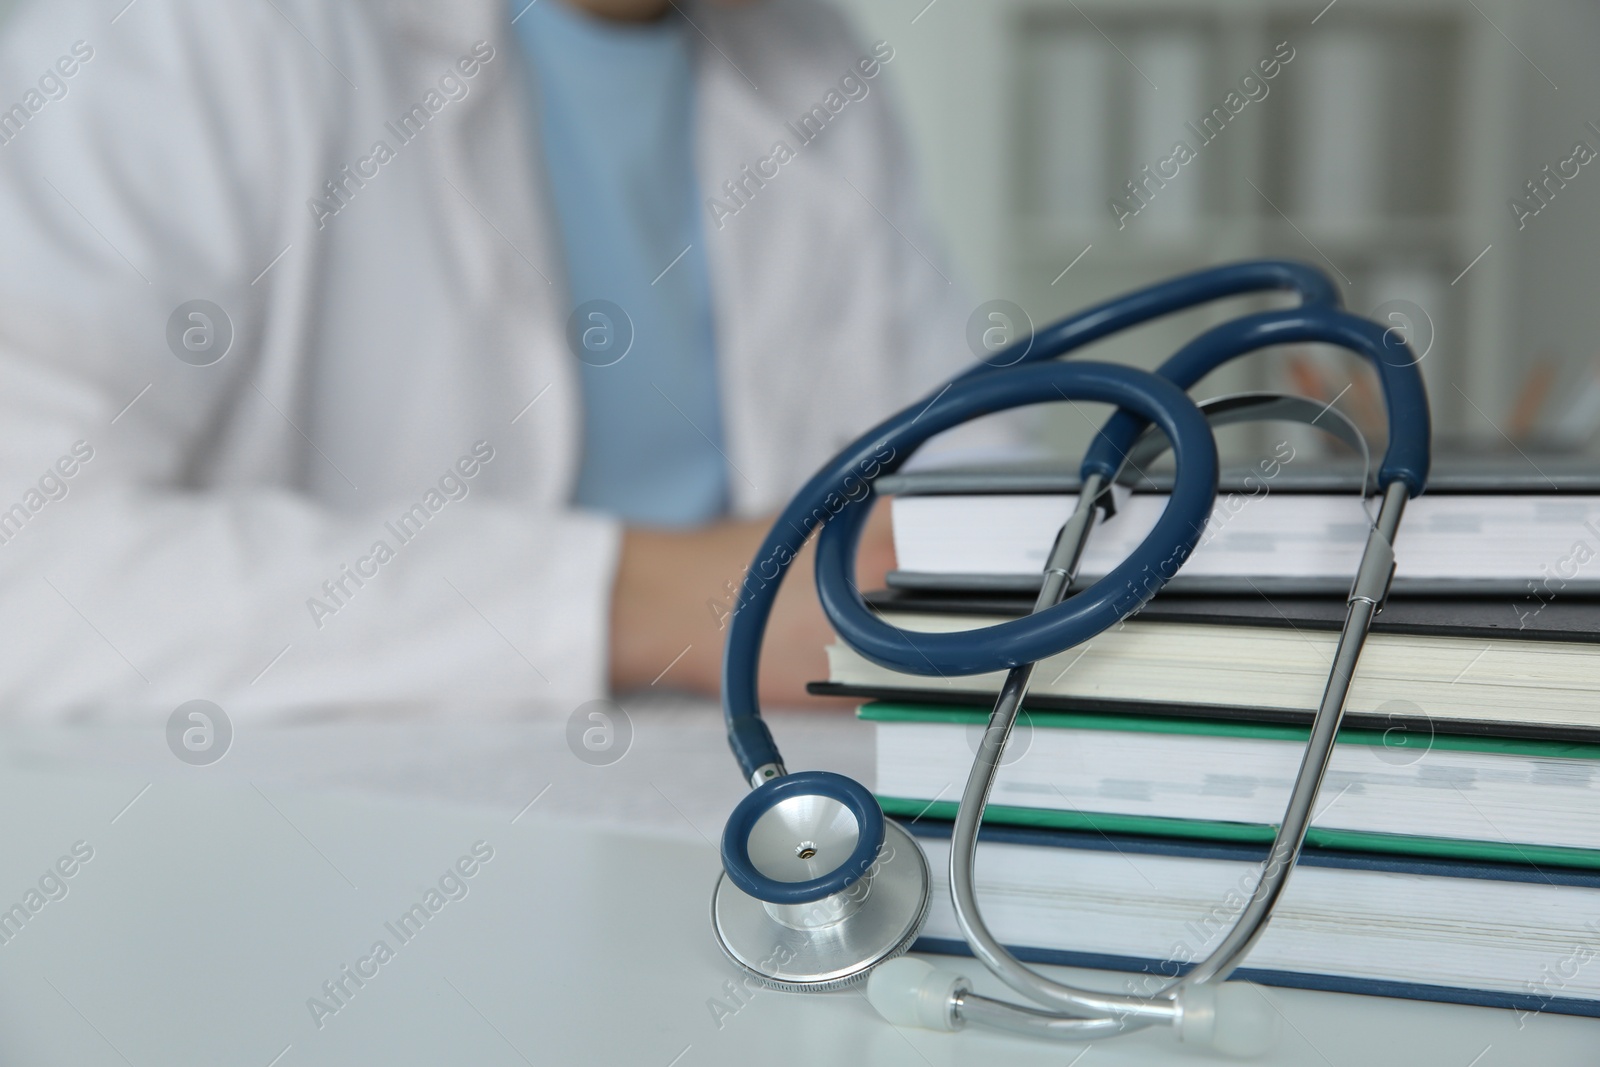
(132, 575)
(124, 594)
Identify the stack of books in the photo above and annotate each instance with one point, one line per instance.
(1455, 851)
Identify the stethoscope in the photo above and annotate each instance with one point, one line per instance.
(819, 890)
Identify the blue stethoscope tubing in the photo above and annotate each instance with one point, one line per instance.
(1024, 374)
(753, 907)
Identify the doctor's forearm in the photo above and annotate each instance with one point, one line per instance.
(666, 599)
(673, 591)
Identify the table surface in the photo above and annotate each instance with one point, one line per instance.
(219, 899)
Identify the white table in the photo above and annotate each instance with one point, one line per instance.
(221, 898)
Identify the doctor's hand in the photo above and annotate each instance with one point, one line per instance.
(675, 589)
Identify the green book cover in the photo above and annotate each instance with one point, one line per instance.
(1205, 830)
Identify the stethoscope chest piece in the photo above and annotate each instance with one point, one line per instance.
(818, 887)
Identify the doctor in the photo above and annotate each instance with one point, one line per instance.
(425, 350)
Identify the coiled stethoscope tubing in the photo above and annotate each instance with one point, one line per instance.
(1024, 376)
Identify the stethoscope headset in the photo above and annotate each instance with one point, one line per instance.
(819, 890)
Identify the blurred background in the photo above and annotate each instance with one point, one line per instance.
(1420, 151)
(1388, 150)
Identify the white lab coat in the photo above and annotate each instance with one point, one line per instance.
(374, 347)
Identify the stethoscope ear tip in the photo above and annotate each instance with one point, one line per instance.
(1233, 1019)
(908, 991)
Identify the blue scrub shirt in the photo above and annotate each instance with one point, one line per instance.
(616, 105)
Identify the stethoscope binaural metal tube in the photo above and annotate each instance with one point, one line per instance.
(1095, 1013)
(1058, 575)
(1403, 473)
(1367, 595)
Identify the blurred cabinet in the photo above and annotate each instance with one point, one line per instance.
(1135, 139)
(1220, 131)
